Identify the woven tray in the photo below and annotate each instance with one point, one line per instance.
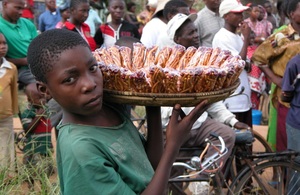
(167, 99)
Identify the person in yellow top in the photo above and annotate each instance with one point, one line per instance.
(8, 107)
(272, 56)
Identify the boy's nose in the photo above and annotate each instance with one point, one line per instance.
(88, 84)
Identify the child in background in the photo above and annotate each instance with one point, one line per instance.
(99, 150)
(79, 10)
(37, 128)
(8, 107)
(65, 15)
(291, 94)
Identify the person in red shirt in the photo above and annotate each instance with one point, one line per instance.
(79, 12)
(28, 11)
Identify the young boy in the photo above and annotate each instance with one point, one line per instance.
(37, 127)
(18, 32)
(291, 94)
(8, 107)
(99, 151)
(228, 39)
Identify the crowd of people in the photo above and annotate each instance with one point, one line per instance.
(51, 53)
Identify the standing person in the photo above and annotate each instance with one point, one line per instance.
(37, 128)
(261, 29)
(270, 16)
(182, 30)
(8, 108)
(145, 16)
(291, 94)
(171, 9)
(227, 38)
(99, 150)
(79, 12)
(130, 15)
(155, 26)
(209, 22)
(50, 17)
(64, 11)
(18, 33)
(110, 32)
(93, 20)
(28, 11)
(272, 56)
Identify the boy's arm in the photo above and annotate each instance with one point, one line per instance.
(154, 144)
(176, 132)
(18, 61)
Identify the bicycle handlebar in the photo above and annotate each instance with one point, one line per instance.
(196, 163)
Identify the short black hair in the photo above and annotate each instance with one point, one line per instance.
(75, 3)
(172, 7)
(289, 6)
(46, 48)
(127, 41)
(130, 5)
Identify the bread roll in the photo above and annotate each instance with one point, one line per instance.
(185, 59)
(115, 55)
(126, 54)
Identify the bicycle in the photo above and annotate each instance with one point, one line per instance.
(262, 173)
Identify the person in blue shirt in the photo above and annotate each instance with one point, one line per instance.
(50, 17)
(291, 94)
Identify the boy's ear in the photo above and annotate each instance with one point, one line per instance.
(43, 89)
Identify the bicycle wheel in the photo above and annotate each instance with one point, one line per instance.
(260, 144)
(263, 181)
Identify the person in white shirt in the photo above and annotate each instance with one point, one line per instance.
(228, 39)
(155, 26)
(182, 30)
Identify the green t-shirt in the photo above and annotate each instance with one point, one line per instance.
(102, 160)
(18, 36)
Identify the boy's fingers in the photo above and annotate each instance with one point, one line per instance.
(198, 110)
(175, 113)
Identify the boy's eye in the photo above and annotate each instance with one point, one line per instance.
(94, 68)
(69, 80)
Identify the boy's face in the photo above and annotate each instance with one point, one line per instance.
(3, 46)
(75, 82)
(12, 10)
(81, 12)
(117, 9)
(295, 15)
(233, 19)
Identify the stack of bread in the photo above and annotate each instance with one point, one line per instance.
(170, 70)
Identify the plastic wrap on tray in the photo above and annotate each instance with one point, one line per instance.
(195, 59)
(185, 59)
(126, 55)
(177, 52)
(221, 58)
(138, 82)
(209, 77)
(163, 56)
(156, 78)
(214, 55)
(171, 80)
(222, 75)
(150, 56)
(138, 55)
(115, 55)
(204, 58)
(187, 81)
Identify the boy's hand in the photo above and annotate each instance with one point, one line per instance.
(177, 129)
